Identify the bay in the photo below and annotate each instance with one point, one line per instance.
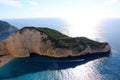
(95, 67)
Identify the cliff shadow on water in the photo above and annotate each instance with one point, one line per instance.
(35, 63)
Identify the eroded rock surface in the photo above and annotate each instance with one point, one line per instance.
(40, 41)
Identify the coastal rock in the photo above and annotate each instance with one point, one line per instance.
(6, 29)
(49, 42)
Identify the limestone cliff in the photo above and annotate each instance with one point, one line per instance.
(49, 42)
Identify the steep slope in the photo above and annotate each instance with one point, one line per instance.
(49, 42)
(6, 29)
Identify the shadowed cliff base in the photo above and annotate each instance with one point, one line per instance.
(35, 63)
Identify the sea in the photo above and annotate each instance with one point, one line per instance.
(90, 67)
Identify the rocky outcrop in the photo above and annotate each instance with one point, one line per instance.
(6, 29)
(48, 42)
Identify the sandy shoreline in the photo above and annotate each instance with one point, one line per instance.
(5, 59)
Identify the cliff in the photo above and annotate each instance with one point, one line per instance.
(6, 29)
(49, 42)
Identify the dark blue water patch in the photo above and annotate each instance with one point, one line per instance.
(109, 68)
(36, 63)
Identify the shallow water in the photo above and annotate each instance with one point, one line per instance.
(97, 67)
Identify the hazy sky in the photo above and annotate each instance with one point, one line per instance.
(85, 12)
(82, 15)
(59, 8)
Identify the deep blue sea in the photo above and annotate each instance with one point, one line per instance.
(90, 67)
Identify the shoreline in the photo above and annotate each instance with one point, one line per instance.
(5, 59)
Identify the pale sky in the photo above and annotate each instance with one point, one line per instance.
(81, 14)
(59, 8)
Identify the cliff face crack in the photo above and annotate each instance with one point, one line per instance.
(49, 42)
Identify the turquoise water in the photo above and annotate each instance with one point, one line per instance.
(94, 67)
(45, 68)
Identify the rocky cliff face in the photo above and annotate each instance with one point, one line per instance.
(6, 29)
(39, 40)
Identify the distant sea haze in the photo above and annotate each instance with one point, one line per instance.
(96, 67)
(54, 23)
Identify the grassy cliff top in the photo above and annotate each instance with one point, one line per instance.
(54, 34)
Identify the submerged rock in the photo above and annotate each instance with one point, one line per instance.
(49, 42)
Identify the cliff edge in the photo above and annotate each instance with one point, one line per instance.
(49, 42)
